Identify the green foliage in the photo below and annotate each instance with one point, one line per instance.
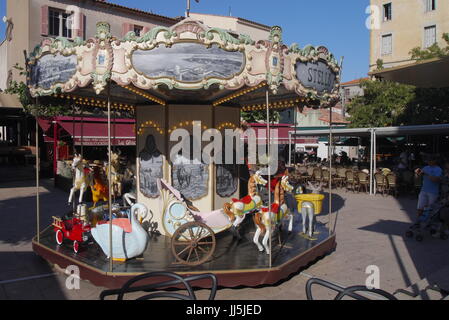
(434, 51)
(260, 115)
(21, 90)
(379, 64)
(388, 103)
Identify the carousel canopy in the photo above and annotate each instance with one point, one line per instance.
(188, 62)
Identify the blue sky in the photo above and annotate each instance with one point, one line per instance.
(338, 25)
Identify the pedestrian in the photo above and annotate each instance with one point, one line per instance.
(432, 177)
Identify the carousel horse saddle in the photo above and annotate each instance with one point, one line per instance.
(274, 208)
(245, 200)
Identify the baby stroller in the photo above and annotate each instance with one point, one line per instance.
(431, 221)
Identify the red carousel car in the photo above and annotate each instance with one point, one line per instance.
(73, 229)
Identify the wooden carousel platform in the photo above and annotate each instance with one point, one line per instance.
(236, 262)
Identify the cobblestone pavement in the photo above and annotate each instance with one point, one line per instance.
(370, 231)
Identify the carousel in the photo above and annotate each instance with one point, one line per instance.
(185, 214)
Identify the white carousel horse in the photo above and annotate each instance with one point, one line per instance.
(268, 218)
(237, 209)
(129, 238)
(83, 178)
(308, 209)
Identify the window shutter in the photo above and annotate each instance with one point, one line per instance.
(127, 27)
(81, 18)
(44, 20)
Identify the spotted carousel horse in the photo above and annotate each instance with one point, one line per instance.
(83, 177)
(267, 219)
(237, 209)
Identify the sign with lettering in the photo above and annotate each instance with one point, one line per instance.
(316, 75)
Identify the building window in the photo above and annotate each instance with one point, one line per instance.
(387, 12)
(138, 30)
(387, 44)
(60, 23)
(430, 36)
(431, 5)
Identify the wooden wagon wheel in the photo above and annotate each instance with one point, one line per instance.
(193, 243)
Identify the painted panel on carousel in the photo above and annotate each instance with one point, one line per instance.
(188, 62)
(227, 180)
(51, 69)
(190, 178)
(151, 168)
(317, 75)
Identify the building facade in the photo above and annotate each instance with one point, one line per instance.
(255, 30)
(31, 21)
(401, 25)
(349, 90)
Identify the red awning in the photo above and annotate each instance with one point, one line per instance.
(279, 134)
(45, 124)
(96, 133)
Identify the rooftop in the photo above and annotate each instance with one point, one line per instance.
(134, 10)
(353, 82)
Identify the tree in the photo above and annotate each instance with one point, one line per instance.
(260, 115)
(388, 103)
(434, 51)
(382, 105)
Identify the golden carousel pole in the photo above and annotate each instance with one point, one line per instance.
(37, 174)
(109, 179)
(269, 167)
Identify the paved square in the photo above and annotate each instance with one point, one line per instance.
(370, 231)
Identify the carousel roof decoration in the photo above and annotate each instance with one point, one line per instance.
(188, 59)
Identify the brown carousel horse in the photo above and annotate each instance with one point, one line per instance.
(268, 218)
(238, 208)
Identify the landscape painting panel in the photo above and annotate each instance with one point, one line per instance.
(150, 171)
(191, 180)
(188, 62)
(51, 69)
(227, 181)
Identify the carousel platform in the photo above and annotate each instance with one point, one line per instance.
(236, 262)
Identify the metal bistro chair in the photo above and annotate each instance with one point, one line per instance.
(325, 177)
(156, 290)
(304, 175)
(381, 183)
(350, 180)
(340, 177)
(310, 172)
(363, 178)
(348, 292)
(392, 184)
(317, 175)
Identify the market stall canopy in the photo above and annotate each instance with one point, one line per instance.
(430, 73)
(382, 131)
(94, 132)
(91, 131)
(188, 62)
(282, 134)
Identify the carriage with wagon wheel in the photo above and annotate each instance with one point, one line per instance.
(192, 232)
